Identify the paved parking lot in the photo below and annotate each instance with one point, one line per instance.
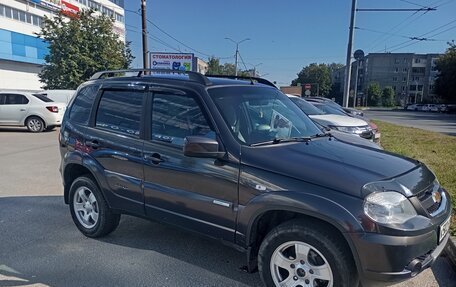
(437, 122)
(40, 246)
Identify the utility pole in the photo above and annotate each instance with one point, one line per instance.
(349, 55)
(237, 52)
(144, 34)
(351, 35)
(236, 59)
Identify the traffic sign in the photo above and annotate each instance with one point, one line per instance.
(307, 93)
(307, 86)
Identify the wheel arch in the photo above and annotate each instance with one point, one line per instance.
(265, 219)
(35, 116)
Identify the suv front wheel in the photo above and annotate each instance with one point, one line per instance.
(89, 210)
(298, 253)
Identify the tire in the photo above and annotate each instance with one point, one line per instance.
(91, 213)
(321, 257)
(50, 128)
(34, 124)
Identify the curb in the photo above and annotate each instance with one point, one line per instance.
(450, 251)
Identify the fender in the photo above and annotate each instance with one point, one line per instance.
(96, 170)
(306, 203)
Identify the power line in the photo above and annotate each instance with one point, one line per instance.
(418, 39)
(172, 37)
(397, 35)
(419, 5)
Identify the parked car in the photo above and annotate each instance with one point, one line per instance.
(443, 108)
(415, 107)
(351, 111)
(62, 96)
(236, 160)
(369, 131)
(35, 112)
(339, 122)
(430, 108)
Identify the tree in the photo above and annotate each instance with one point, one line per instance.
(227, 69)
(445, 85)
(315, 74)
(388, 97)
(374, 95)
(213, 66)
(80, 47)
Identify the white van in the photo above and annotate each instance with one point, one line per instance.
(61, 96)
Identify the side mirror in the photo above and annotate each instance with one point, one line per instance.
(196, 146)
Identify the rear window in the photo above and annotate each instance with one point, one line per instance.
(82, 104)
(43, 98)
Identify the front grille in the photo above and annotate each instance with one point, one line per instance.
(425, 198)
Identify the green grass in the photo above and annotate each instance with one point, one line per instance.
(437, 151)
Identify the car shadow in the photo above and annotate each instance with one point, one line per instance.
(41, 245)
(21, 130)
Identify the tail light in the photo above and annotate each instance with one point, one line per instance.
(53, 109)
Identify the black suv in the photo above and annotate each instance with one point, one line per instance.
(236, 160)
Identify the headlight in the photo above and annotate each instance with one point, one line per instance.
(388, 207)
(350, 130)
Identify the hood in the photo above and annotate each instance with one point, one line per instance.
(337, 120)
(354, 139)
(328, 162)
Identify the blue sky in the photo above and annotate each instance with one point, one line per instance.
(289, 34)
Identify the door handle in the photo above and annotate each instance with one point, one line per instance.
(22, 110)
(93, 144)
(155, 158)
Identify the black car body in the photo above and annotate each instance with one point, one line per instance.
(179, 149)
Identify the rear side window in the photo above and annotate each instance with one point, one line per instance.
(15, 99)
(80, 110)
(43, 98)
(120, 112)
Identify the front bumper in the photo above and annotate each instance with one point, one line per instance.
(386, 259)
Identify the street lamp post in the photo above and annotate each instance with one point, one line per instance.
(237, 52)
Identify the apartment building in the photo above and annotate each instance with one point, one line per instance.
(412, 76)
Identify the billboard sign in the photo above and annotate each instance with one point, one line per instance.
(52, 4)
(69, 9)
(172, 61)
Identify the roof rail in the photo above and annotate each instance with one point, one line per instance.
(193, 76)
(259, 80)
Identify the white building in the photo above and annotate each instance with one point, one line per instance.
(21, 52)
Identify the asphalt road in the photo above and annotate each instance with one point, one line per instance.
(437, 122)
(40, 246)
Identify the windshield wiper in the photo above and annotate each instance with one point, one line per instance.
(283, 140)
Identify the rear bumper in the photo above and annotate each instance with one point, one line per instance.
(386, 259)
(53, 120)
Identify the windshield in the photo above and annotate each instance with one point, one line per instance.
(43, 98)
(330, 110)
(306, 107)
(257, 115)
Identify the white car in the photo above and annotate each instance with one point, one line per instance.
(340, 123)
(36, 112)
(431, 108)
(61, 96)
(415, 107)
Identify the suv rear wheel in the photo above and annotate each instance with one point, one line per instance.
(89, 210)
(298, 253)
